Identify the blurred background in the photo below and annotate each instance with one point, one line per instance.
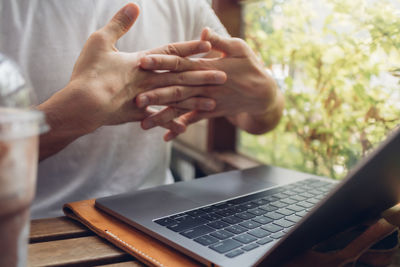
(338, 64)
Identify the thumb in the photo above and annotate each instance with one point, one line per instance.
(121, 22)
(234, 47)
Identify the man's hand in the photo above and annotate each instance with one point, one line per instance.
(105, 82)
(250, 98)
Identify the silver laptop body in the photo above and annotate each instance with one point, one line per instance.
(179, 214)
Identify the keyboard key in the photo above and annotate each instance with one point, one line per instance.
(264, 241)
(245, 215)
(250, 224)
(293, 218)
(260, 202)
(165, 221)
(295, 208)
(232, 220)
(206, 240)
(301, 213)
(183, 218)
(262, 220)
(245, 238)
(250, 247)
(273, 215)
(197, 231)
(290, 193)
(218, 224)
(222, 234)
(298, 198)
(211, 217)
(209, 209)
(285, 211)
(305, 204)
(284, 223)
(278, 204)
(238, 209)
(250, 205)
(277, 235)
(306, 195)
(236, 229)
(225, 246)
(313, 200)
(281, 195)
(225, 212)
(258, 233)
(271, 198)
(289, 201)
(268, 207)
(272, 228)
(257, 212)
(195, 213)
(234, 253)
(186, 224)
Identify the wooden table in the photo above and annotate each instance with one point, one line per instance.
(62, 242)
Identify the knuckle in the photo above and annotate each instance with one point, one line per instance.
(181, 78)
(239, 44)
(98, 37)
(177, 92)
(154, 98)
(172, 49)
(178, 64)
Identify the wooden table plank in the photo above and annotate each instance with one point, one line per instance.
(56, 229)
(90, 250)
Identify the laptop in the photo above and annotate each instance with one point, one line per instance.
(263, 215)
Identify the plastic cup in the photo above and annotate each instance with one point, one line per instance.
(19, 139)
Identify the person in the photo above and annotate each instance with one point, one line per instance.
(123, 69)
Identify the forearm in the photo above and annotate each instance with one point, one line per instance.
(64, 115)
(264, 122)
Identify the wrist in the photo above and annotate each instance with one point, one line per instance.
(66, 120)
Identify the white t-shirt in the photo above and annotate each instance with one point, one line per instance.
(45, 38)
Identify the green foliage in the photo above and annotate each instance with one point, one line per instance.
(341, 65)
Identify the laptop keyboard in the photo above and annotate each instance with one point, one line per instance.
(240, 225)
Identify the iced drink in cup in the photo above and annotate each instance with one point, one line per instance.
(20, 127)
(19, 135)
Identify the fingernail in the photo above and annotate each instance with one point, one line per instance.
(143, 101)
(148, 124)
(129, 11)
(147, 62)
(208, 105)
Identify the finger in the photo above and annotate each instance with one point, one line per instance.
(183, 49)
(196, 103)
(234, 47)
(167, 95)
(186, 119)
(172, 63)
(200, 77)
(174, 125)
(121, 22)
(162, 117)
